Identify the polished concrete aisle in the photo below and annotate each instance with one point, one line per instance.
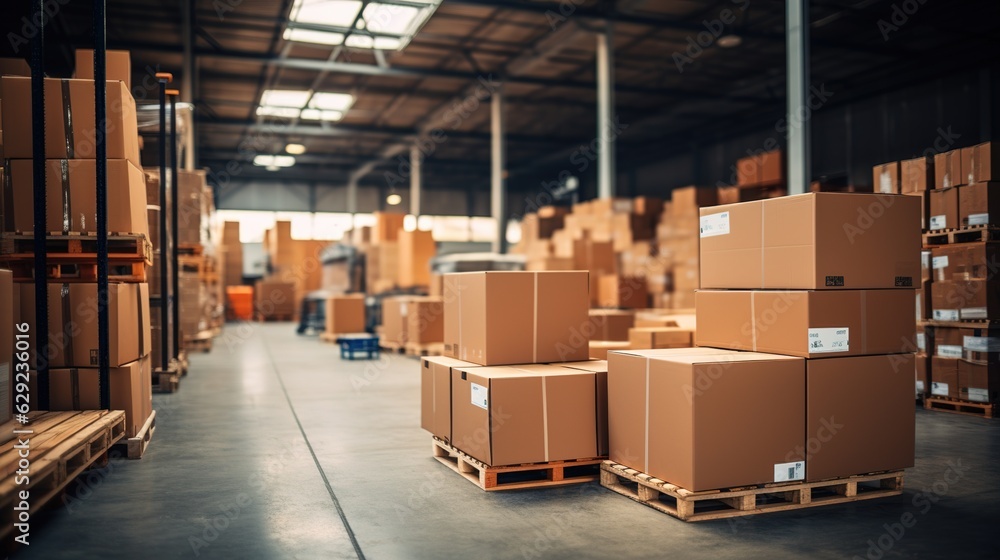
(274, 448)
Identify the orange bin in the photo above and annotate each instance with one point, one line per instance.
(240, 299)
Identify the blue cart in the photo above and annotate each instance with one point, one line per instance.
(353, 344)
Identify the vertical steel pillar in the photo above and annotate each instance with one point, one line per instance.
(605, 113)
(799, 145)
(498, 169)
(416, 179)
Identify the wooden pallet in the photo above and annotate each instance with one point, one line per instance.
(73, 258)
(391, 347)
(517, 477)
(182, 362)
(425, 349)
(964, 324)
(955, 406)
(62, 446)
(970, 234)
(190, 249)
(135, 447)
(203, 345)
(273, 317)
(168, 381)
(737, 502)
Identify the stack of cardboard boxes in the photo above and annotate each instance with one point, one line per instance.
(345, 314)
(295, 270)
(515, 358)
(797, 307)
(71, 170)
(415, 323)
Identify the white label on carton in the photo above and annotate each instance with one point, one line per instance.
(885, 183)
(974, 313)
(945, 314)
(979, 219)
(480, 396)
(939, 262)
(979, 395)
(925, 259)
(784, 472)
(939, 222)
(920, 386)
(939, 389)
(829, 340)
(922, 342)
(715, 224)
(949, 351)
(981, 343)
(402, 309)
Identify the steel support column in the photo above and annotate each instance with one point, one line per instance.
(797, 47)
(416, 179)
(498, 169)
(605, 114)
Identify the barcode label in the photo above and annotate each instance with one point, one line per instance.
(480, 396)
(973, 313)
(979, 395)
(829, 340)
(979, 219)
(783, 472)
(939, 262)
(981, 343)
(714, 224)
(949, 351)
(939, 389)
(939, 222)
(945, 314)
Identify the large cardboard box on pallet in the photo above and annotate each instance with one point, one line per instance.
(943, 208)
(425, 320)
(808, 324)
(435, 394)
(944, 377)
(73, 323)
(600, 369)
(859, 415)
(131, 391)
(684, 402)
(7, 329)
(71, 205)
(948, 170)
(345, 314)
(524, 414)
(416, 249)
(916, 175)
(274, 299)
(75, 97)
(498, 318)
(812, 241)
(979, 382)
(979, 204)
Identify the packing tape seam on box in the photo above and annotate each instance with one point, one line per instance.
(646, 425)
(67, 210)
(534, 337)
(545, 418)
(864, 322)
(68, 119)
(753, 319)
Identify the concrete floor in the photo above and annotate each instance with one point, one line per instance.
(274, 448)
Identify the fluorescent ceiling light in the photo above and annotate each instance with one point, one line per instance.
(283, 112)
(393, 199)
(274, 161)
(316, 37)
(272, 168)
(389, 18)
(318, 115)
(337, 13)
(295, 149)
(285, 98)
(331, 101)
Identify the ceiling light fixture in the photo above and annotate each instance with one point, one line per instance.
(393, 199)
(729, 41)
(295, 149)
(273, 161)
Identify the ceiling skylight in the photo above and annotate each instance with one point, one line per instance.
(281, 112)
(331, 101)
(304, 104)
(318, 115)
(380, 25)
(274, 161)
(284, 98)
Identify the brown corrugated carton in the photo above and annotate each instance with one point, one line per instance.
(600, 369)
(345, 314)
(425, 320)
(812, 241)
(598, 349)
(641, 338)
(687, 200)
(944, 377)
(728, 195)
(14, 67)
(948, 342)
(550, 263)
(118, 66)
(435, 394)
(416, 249)
(76, 141)
(859, 415)
(71, 190)
(274, 298)
(982, 158)
(979, 204)
(7, 341)
(620, 291)
(395, 319)
(916, 175)
(922, 365)
(387, 226)
(886, 178)
(965, 299)
(516, 317)
(611, 324)
(979, 382)
(809, 324)
(605, 206)
(73, 322)
(965, 261)
(531, 414)
(684, 402)
(943, 210)
(948, 170)
(131, 389)
(382, 266)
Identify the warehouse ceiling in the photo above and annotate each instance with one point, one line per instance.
(671, 91)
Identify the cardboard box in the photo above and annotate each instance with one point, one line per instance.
(598, 349)
(812, 241)
(948, 170)
(809, 324)
(605, 206)
(527, 414)
(772, 167)
(948, 342)
(979, 204)
(679, 406)
(71, 205)
(924, 305)
(122, 129)
(886, 178)
(619, 291)
(387, 226)
(550, 263)
(944, 377)
(73, 323)
(979, 382)
(983, 160)
(118, 66)
(425, 320)
(924, 198)
(435, 394)
(382, 265)
(965, 261)
(943, 209)
(498, 318)
(611, 324)
(728, 195)
(7, 330)
(659, 337)
(859, 415)
(648, 206)
(965, 299)
(345, 314)
(131, 391)
(916, 175)
(922, 366)
(273, 299)
(687, 200)
(395, 319)
(416, 249)
(14, 67)
(600, 369)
